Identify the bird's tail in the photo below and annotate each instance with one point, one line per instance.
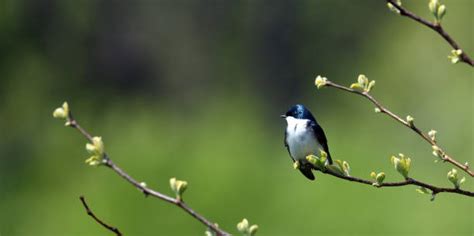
(306, 171)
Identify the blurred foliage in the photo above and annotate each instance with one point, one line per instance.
(194, 90)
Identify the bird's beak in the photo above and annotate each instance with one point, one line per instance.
(283, 116)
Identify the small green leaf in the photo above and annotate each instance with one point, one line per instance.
(423, 190)
(243, 226)
(346, 168)
(441, 12)
(62, 113)
(393, 8)
(246, 229)
(453, 177)
(433, 6)
(401, 164)
(455, 56)
(94, 160)
(253, 230)
(380, 177)
(362, 80)
(178, 187)
(357, 86)
(370, 86)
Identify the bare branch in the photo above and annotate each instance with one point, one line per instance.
(436, 27)
(147, 191)
(442, 154)
(91, 214)
(408, 181)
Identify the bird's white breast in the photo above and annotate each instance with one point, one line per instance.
(300, 139)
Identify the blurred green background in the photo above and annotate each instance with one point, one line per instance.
(194, 90)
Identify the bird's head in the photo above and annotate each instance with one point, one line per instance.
(298, 111)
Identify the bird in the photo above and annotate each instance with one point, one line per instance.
(303, 137)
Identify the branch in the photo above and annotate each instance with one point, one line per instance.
(106, 161)
(408, 181)
(436, 27)
(105, 225)
(442, 154)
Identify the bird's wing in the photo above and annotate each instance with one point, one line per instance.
(321, 137)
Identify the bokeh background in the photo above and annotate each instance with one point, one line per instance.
(194, 90)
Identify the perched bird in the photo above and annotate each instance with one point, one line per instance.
(304, 136)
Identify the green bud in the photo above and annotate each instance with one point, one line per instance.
(210, 232)
(377, 110)
(59, 113)
(346, 168)
(362, 80)
(243, 226)
(392, 8)
(96, 149)
(433, 6)
(455, 56)
(94, 160)
(380, 177)
(320, 81)
(296, 165)
(318, 162)
(357, 86)
(423, 190)
(432, 134)
(323, 155)
(143, 184)
(437, 151)
(90, 148)
(312, 159)
(97, 141)
(401, 164)
(253, 230)
(373, 175)
(337, 168)
(178, 187)
(370, 86)
(453, 177)
(440, 12)
(410, 121)
(62, 112)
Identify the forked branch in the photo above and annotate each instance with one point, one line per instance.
(435, 26)
(439, 151)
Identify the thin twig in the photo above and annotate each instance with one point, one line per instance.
(145, 190)
(442, 154)
(91, 214)
(434, 26)
(408, 181)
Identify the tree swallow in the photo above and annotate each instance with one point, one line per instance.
(304, 136)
